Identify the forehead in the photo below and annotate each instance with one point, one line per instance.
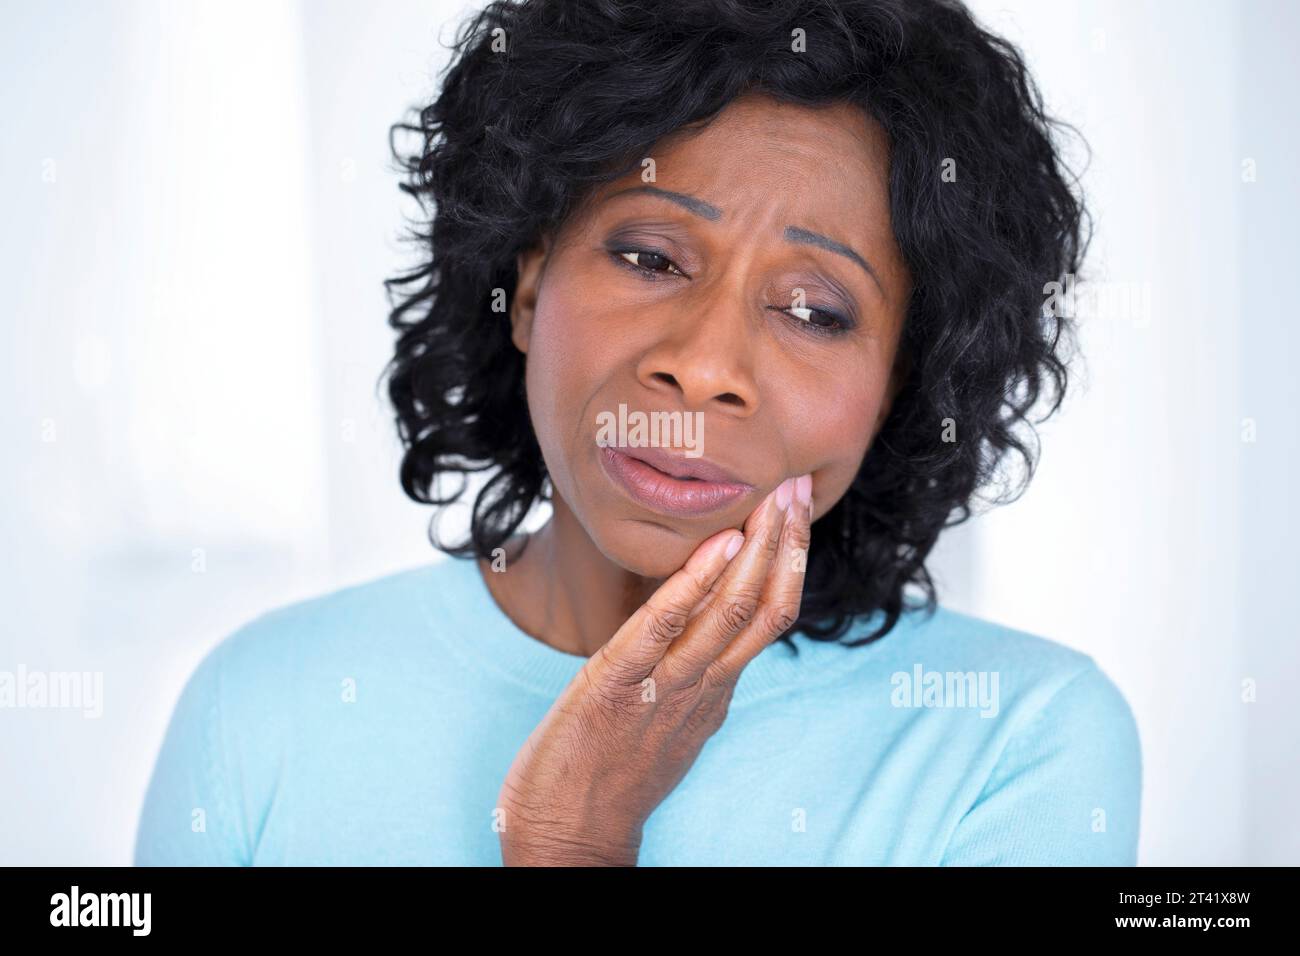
(761, 157)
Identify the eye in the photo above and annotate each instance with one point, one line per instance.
(647, 261)
(820, 321)
(657, 266)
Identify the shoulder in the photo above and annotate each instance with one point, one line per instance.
(960, 636)
(273, 682)
(1031, 672)
(376, 614)
(1064, 779)
(269, 686)
(285, 668)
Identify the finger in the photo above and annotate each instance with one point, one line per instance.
(734, 599)
(647, 634)
(783, 596)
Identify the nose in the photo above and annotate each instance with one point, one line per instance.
(706, 357)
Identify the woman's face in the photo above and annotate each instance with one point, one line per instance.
(767, 200)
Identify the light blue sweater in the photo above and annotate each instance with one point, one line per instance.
(375, 724)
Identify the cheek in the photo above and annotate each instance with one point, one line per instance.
(831, 427)
(549, 366)
(835, 412)
(565, 343)
(564, 368)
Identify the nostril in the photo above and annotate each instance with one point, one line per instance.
(728, 398)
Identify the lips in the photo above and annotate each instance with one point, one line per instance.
(671, 484)
(677, 466)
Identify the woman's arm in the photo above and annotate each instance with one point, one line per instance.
(190, 817)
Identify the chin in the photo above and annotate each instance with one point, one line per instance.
(648, 546)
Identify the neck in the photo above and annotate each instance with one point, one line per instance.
(563, 591)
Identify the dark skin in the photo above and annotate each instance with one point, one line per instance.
(711, 321)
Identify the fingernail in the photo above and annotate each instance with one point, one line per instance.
(783, 494)
(733, 546)
(803, 489)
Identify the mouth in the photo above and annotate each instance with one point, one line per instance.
(681, 487)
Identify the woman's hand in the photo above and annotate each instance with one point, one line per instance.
(629, 726)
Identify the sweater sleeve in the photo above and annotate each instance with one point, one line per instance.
(190, 817)
(1066, 790)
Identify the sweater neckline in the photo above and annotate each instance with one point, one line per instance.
(461, 610)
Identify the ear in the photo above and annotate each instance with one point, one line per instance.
(530, 265)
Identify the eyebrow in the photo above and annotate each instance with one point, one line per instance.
(712, 213)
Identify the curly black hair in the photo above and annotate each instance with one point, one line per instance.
(544, 99)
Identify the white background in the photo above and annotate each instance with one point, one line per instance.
(198, 210)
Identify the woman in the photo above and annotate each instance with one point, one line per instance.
(811, 241)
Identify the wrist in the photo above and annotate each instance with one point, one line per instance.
(553, 853)
(530, 840)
